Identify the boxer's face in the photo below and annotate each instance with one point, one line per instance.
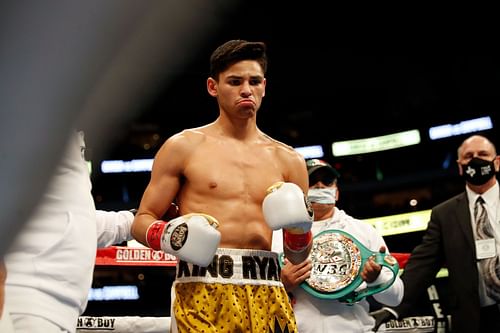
(239, 89)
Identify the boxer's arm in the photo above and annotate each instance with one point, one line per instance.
(297, 243)
(286, 207)
(161, 189)
(191, 237)
(298, 175)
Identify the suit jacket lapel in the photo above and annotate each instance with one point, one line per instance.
(463, 218)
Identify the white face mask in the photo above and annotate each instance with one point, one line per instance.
(322, 195)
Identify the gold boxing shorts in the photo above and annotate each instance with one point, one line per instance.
(240, 291)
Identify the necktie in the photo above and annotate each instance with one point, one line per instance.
(490, 266)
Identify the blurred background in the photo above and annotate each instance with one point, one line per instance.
(329, 80)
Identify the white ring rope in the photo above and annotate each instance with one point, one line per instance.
(126, 324)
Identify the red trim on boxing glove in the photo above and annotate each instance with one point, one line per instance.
(154, 233)
(297, 242)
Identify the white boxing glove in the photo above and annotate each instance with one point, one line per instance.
(193, 238)
(285, 206)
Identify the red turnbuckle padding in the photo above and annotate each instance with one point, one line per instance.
(154, 233)
(297, 242)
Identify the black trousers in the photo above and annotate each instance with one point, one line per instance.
(490, 318)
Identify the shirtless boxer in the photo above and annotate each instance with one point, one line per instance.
(237, 185)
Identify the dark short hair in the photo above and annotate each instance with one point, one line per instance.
(237, 50)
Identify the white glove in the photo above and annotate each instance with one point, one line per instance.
(285, 206)
(192, 237)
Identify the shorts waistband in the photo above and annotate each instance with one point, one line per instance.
(234, 266)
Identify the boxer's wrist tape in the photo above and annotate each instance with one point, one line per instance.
(154, 233)
(297, 242)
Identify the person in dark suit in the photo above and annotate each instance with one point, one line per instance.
(451, 241)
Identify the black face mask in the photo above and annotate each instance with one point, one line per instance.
(478, 171)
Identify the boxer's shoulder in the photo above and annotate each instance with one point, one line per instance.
(276, 143)
(189, 136)
(281, 150)
(182, 143)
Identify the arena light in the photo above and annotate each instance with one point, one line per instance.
(379, 143)
(121, 166)
(114, 293)
(310, 151)
(442, 273)
(463, 127)
(401, 223)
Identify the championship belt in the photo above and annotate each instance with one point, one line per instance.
(338, 259)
